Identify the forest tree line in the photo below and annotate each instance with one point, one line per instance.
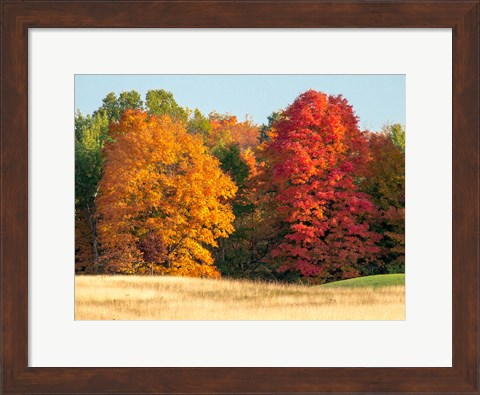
(163, 189)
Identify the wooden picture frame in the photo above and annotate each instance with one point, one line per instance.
(19, 16)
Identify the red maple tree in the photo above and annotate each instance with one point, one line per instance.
(313, 163)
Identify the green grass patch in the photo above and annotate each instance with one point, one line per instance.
(380, 280)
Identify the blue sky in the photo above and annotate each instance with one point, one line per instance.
(376, 99)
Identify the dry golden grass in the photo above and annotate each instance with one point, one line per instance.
(180, 298)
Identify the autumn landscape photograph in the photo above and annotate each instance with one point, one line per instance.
(239, 197)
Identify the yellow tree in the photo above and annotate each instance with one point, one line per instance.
(162, 199)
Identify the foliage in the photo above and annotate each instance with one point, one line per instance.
(162, 199)
(91, 132)
(232, 163)
(241, 254)
(130, 100)
(226, 130)
(90, 136)
(392, 226)
(265, 129)
(110, 107)
(84, 258)
(113, 107)
(307, 197)
(312, 163)
(384, 181)
(384, 177)
(245, 134)
(200, 125)
(161, 102)
(396, 132)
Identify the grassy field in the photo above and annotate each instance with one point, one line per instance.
(180, 298)
(382, 280)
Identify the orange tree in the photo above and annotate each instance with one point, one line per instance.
(162, 199)
(225, 130)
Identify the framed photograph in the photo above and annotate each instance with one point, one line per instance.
(184, 73)
(187, 249)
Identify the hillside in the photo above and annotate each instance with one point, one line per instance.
(380, 280)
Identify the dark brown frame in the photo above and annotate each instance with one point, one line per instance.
(18, 16)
